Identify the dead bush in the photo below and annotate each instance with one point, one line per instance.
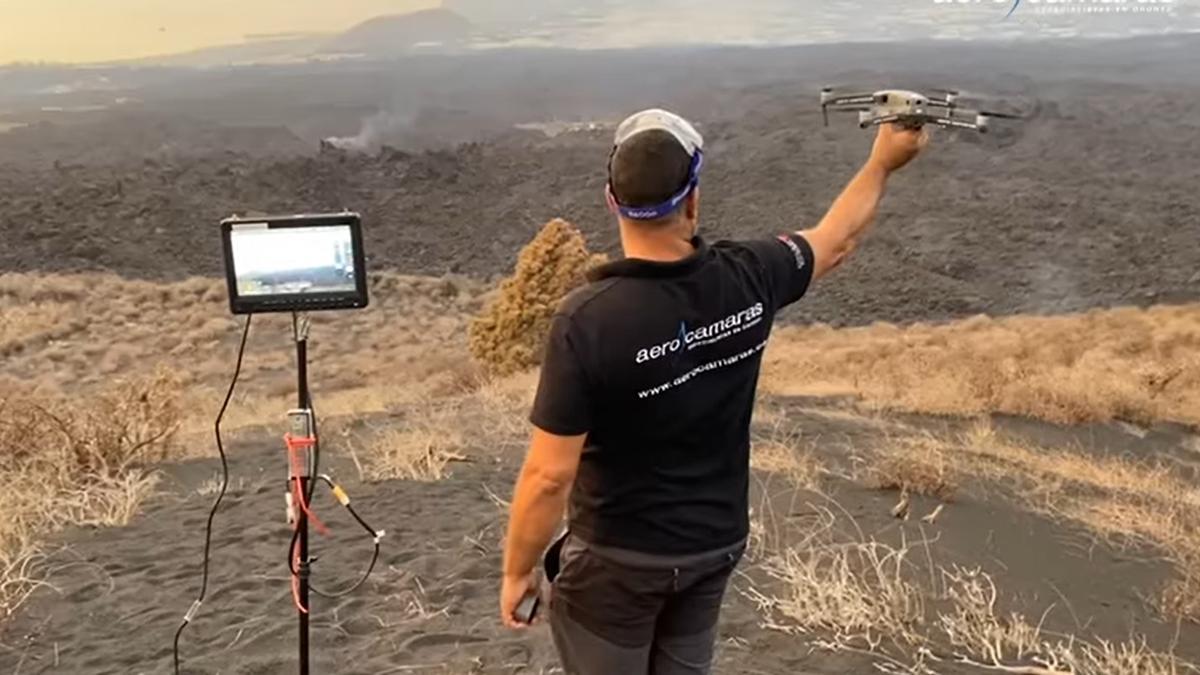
(1181, 598)
(856, 594)
(1125, 501)
(68, 464)
(982, 637)
(779, 449)
(917, 465)
(507, 337)
(859, 591)
(1138, 365)
(129, 425)
(421, 448)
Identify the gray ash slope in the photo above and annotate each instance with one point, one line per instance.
(1091, 202)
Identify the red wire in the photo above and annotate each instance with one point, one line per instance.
(296, 565)
(294, 445)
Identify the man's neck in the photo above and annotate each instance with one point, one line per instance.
(669, 244)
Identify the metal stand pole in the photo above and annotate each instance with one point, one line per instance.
(303, 479)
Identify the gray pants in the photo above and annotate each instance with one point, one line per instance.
(617, 612)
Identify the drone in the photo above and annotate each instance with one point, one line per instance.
(909, 108)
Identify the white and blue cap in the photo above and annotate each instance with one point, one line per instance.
(692, 142)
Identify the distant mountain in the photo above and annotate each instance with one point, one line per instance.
(254, 50)
(396, 33)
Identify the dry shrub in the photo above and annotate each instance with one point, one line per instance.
(507, 337)
(21, 574)
(420, 449)
(1141, 501)
(856, 594)
(1125, 501)
(860, 592)
(916, 465)
(77, 332)
(436, 431)
(26, 325)
(971, 623)
(1133, 364)
(981, 637)
(74, 465)
(1181, 597)
(501, 405)
(411, 454)
(779, 449)
(129, 425)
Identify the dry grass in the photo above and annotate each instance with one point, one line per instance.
(914, 465)
(413, 336)
(31, 325)
(982, 637)
(1125, 501)
(434, 432)
(855, 591)
(508, 336)
(779, 449)
(1130, 364)
(855, 594)
(1181, 597)
(420, 449)
(67, 465)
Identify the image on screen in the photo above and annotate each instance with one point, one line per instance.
(290, 261)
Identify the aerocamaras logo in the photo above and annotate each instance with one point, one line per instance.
(1073, 6)
(701, 369)
(705, 335)
(795, 249)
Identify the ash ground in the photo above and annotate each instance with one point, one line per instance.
(117, 595)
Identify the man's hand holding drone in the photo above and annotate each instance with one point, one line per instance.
(896, 145)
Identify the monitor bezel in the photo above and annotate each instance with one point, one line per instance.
(298, 302)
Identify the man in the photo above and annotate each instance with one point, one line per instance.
(642, 415)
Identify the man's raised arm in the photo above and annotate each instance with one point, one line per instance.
(838, 233)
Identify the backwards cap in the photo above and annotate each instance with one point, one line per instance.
(692, 142)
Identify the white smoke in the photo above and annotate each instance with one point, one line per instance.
(374, 131)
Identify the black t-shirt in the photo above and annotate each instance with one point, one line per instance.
(658, 364)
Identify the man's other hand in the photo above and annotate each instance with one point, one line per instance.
(512, 592)
(896, 146)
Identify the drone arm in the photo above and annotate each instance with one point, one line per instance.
(857, 99)
(885, 119)
(954, 124)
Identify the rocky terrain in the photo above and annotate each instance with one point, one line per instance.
(1089, 202)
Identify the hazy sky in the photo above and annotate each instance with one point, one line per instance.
(98, 30)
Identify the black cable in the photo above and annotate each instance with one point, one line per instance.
(191, 613)
(312, 484)
(357, 585)
(376, 535)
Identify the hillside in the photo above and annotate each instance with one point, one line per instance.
(396, 33)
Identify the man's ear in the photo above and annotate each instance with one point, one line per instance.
(609, 198)
(691, 207)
